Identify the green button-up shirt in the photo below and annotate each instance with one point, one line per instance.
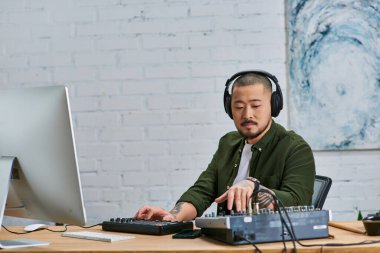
(282, 161)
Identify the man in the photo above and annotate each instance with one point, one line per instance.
(261, 154)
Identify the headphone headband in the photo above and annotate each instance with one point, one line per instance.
(276, 98)
(260, 72)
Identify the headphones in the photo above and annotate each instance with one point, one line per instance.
(276, 100)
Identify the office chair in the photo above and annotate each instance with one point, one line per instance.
(322, 186)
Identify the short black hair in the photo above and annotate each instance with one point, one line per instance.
(252, 79)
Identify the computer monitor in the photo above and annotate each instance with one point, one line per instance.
(37, 141)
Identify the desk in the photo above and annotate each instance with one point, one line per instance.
(147, 243)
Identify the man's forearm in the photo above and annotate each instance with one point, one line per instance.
(184, 211)
(265, 199)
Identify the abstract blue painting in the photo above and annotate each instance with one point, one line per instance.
(334, 72)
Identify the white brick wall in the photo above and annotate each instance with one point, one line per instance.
(146, 81)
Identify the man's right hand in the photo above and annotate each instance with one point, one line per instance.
(154, 213)
(239, 195)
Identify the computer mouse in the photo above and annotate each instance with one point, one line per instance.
(34, 227)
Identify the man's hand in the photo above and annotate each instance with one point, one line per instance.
(180, 212)
(240, 194)
(154, 213)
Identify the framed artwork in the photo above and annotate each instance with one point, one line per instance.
(334, 72)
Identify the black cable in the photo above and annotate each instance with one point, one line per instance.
(283, 221)
(293, 235)
(283, 237)
(57, 231)
(16, 233)
(48, 229)
(366, 242)
(282, 227)
(91, 226)
(284, 224)
(251, 242)
(279, 204)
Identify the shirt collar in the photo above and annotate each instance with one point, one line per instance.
(267, 138)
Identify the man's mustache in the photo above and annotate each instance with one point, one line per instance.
(245, 122)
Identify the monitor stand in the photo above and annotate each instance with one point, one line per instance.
(6, 165)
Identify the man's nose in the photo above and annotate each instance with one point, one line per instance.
(248, 112)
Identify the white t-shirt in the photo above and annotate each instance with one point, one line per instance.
(243, 171)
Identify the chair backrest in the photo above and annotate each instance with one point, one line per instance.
(322, 186)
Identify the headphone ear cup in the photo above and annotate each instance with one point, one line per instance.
(275, 104)
(227, 103)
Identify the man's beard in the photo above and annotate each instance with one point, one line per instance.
(250, 135)
(253, 135)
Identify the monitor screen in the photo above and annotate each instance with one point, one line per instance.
(36, 129)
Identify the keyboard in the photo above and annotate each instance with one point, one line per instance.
(131, 225)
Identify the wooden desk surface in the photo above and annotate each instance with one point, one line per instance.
(147, 243)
